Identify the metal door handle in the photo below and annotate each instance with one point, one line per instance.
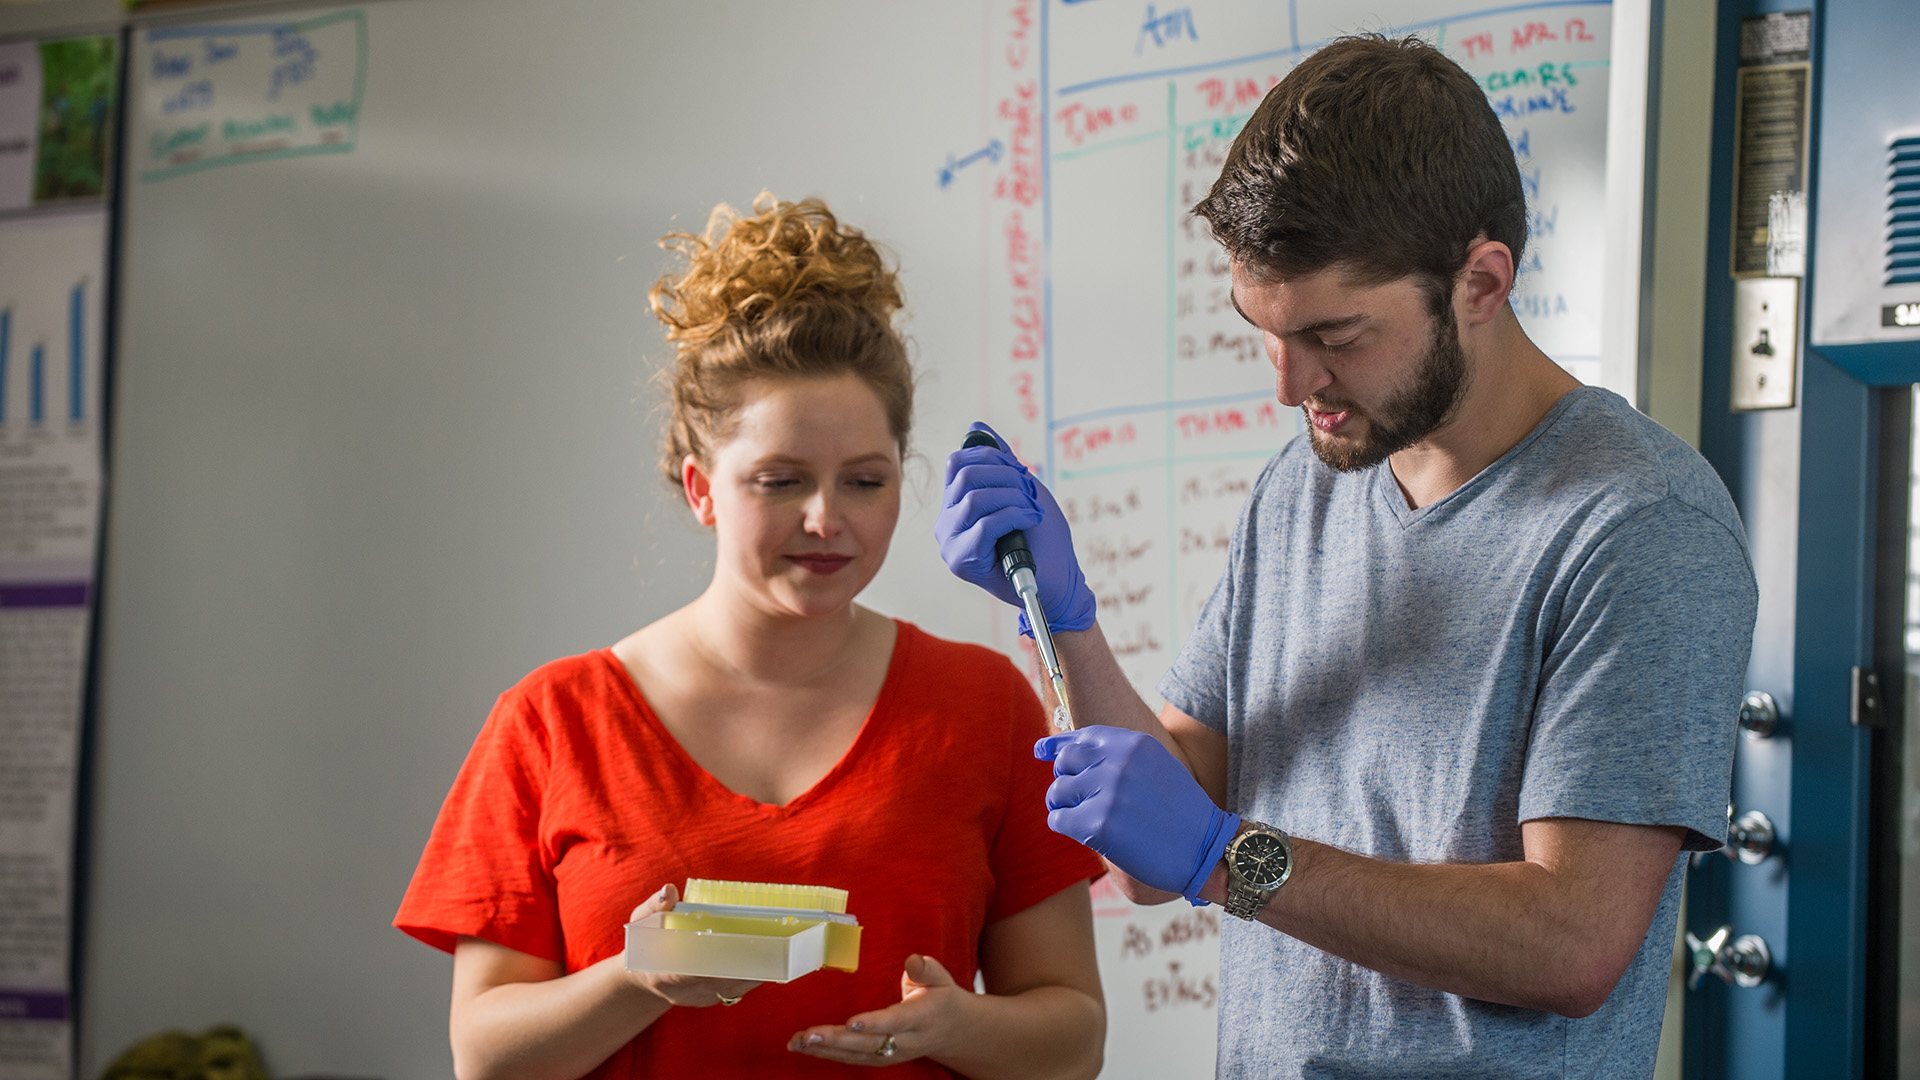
(1744, 961)
(1759, 715)
(1749, 838)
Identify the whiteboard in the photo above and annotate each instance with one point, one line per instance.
(1120, 370)
(384, 440)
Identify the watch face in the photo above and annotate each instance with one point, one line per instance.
(1260, 860)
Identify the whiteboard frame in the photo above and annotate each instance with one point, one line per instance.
(1627, 282)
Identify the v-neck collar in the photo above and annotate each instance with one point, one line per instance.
(821, 788)
(1387, 486)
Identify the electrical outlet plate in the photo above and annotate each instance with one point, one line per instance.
(1766, 342)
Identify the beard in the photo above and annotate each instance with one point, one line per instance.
(1410, 415)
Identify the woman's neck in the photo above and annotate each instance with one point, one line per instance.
(743, 642)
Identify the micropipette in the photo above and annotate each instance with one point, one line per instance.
(1016, 561)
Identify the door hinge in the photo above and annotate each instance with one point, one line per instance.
(1867, 710)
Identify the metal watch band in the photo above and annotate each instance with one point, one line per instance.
(1246, 903)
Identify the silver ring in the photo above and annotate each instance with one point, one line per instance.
(886, 1047)
(725, 1000)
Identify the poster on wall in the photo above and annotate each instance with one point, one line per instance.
(52, 321)
(57, 101)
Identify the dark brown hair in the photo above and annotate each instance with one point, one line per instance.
(1378, 156)
(789, 292)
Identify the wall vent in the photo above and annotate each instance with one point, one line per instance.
(1903, 211)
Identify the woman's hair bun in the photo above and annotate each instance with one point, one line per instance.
(788, 292)
(745, 268)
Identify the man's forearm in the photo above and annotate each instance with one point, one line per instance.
(1553, 934)
(1100, 691)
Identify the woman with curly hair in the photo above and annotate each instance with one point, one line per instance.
(771, 730)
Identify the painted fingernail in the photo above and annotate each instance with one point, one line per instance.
(856, 1025)
(816, 1040)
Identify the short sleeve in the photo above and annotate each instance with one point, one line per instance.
(1640, 689)
(1029, 861)
(1197, 683)
(484, 873)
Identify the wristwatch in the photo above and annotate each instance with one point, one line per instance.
(1258, 862)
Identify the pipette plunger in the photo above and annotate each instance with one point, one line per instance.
(1016, 561)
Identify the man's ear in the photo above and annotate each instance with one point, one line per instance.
(1487, 278)
(698, 487)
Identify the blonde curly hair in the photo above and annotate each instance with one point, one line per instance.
(789, 292)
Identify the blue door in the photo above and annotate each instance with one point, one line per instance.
(1825, 489)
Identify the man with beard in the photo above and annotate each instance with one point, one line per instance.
(1467, 689)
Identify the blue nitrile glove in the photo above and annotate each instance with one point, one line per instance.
(988, 495)
(1121, 793)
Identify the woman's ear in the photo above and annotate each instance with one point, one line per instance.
(698, 487)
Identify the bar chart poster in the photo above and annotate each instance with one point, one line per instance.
(52, 318)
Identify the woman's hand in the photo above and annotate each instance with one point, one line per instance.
(1041, 1015)
(930, 1005)
(687, 991)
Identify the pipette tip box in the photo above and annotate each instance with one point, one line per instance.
(745, 941)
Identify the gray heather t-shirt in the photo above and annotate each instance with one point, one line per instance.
(1565, 635)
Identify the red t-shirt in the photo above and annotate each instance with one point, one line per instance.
(575, 804)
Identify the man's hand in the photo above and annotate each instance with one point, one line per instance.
(989, 494)
(1122, 794)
